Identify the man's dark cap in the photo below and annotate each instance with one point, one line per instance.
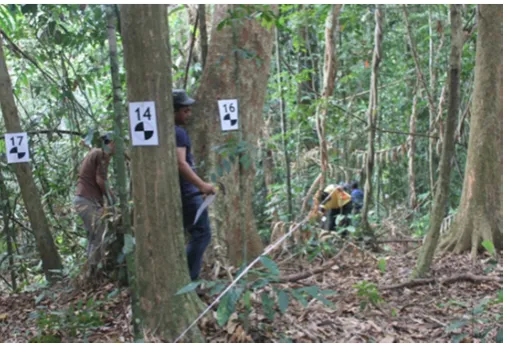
(107, 137)
(180, 98)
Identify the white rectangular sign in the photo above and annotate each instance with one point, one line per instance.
(143, 124)
(16, 145)
(228, 109)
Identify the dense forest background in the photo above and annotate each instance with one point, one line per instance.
(352, 92)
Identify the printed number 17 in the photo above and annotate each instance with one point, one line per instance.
(20, 138)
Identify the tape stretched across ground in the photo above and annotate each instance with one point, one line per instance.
(266, 251)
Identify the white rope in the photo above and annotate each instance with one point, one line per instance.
(266, 251)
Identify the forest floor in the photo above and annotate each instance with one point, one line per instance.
(439, 310)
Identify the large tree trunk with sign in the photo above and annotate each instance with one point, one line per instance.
(161, 267)
(237, 67)
(480, 214)
(48, 252)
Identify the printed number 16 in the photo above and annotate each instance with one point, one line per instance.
(231, 108)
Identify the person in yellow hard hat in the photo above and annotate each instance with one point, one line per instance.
(335, 201)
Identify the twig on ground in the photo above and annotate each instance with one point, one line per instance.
(457, 278)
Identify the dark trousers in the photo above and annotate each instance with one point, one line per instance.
(200, 234)
(331, 214)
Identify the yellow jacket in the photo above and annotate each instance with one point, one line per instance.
(338, 197)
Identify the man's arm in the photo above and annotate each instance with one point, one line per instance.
(187, 173)
(101, 174)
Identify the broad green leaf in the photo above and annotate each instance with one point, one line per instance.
(270, 265)
(325, 301)
(227, 305)
(456, 325)
(128, 244)
(189, 287)
(300, 297)
(489, 246)
(312, 290)
(283, 301)
(267, 306)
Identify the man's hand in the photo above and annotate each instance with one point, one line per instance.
(207, 189)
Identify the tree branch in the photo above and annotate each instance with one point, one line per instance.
(50, 131)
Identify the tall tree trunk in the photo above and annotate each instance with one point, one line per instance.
(45, 244)
(231, 75)
(372, 116)
(120, 170)
(438, 210)
(161, 268)
(8, 230)
(480, 211)
(328, 86)
(283, 117)
(411, 152)
(203, 33)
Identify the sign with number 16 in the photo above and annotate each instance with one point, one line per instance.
(228, 114)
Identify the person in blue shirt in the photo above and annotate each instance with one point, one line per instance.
(357, 196)
(190, 183)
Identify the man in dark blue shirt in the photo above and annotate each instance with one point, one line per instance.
(190, 182)
(357, 196)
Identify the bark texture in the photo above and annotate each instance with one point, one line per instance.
(480, 212)
(439, 208)
(38, 221)
(237, 67)
(161, 266)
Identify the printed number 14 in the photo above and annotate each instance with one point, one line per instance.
(146, 114)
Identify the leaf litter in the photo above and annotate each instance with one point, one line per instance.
(433, 312)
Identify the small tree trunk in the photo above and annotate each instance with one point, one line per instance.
(480, 214)
(161, 268)
(45, 244)
(283, 116)
(203, 33)
(120, 171)
(411, 152)
(440, 203)
(8, 230)
(372, 116)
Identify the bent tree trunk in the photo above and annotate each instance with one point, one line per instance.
(444, 177)
(161, 267)
(237, 67)
(38, 221)
(480, 211)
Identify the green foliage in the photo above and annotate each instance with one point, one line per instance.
(368, 294)
(490, 247)
(273, 299)
(382, 264)
(78, 319)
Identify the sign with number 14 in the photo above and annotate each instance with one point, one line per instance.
(143, 124)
